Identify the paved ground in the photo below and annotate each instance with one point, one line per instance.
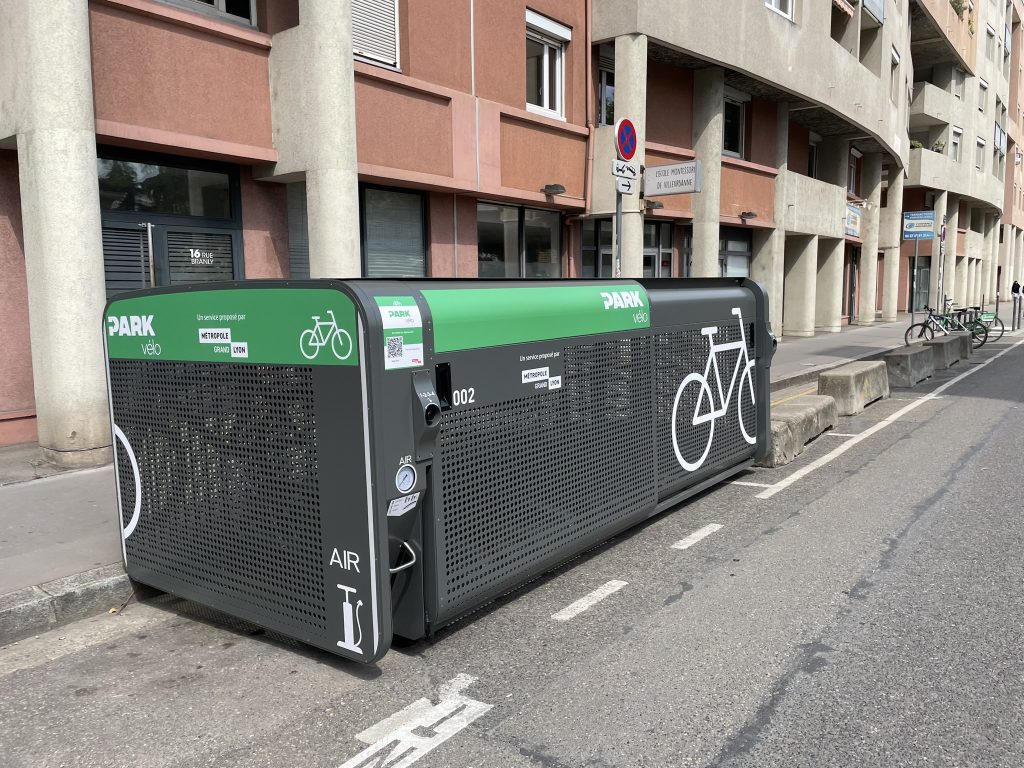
(864, 611)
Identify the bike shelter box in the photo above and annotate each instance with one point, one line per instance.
(344, 461)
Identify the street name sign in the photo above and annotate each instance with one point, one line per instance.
(675, 179)
(918, 225)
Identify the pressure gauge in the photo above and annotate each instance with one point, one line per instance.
(406, 478)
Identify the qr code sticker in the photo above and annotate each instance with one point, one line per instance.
(396, 347)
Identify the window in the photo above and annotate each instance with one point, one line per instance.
(518, 242)
(606, 105)
(394, 239)
(734, 112)
(979, 154)
(785, 7)
(734, 249)
(375, 31)
(851, 172)
(598, 255)
(894, 77)
(657, 249)
(982, 95)
(958, 83)
(990, 43)
(130, 187)
(244, 10)
(954, 149)
(545, 48)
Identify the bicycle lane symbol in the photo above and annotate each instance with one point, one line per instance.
(699, 400)
(322, 334)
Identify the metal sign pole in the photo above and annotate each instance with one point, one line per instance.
(618, 234)
(913, 282)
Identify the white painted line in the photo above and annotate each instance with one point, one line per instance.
(699, 534)
(832, 434)
(588, 601)
(750, 484)
(843, 448)
(392, 741)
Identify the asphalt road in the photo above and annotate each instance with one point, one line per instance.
(868, 614)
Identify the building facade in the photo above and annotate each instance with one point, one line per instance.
(159, 142)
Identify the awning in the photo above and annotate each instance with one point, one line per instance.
(844, 6)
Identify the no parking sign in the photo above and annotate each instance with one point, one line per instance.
(625, 139)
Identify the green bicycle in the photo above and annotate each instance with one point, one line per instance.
(946, 324)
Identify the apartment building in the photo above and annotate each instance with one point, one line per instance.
(158, 142)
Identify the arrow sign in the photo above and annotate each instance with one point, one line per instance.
(624, 170)
(625, 186)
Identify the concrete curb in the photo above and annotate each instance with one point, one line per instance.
(811, 376)
(40, 608)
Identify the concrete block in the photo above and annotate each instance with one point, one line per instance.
(855, 385)
(945, 351)
(796, 423)
(966, 347)
(909, 365)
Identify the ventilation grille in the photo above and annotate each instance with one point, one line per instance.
(676, 356)
(230, 498)
(525, 481)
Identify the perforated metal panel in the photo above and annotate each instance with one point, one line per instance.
(524, 482)
(676, 356)
(229, 473)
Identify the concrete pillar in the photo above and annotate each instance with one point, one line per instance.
(970, 299)
(61, 230)
(708, 127)
(962, 281)
(767, 265)
(892, 239)
(987, 271)
(871, 177)
(313, 104)
(1018, 256)
(631, 102)
(828, 305)
(801, 276)
(949, 265)
(938, 249)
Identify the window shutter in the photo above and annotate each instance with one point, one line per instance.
(125, 259)
(394, 234)
(375, 30)
(298, 232)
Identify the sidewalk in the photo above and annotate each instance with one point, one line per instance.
(60, 553)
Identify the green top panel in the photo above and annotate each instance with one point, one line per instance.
(259, 325)
(471, 318)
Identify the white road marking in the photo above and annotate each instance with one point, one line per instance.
(844, 447)
(699, 534)
(588, 601)
(831, 434)
(392, 741)
(750, 484)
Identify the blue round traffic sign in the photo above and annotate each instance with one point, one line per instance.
(625, 139)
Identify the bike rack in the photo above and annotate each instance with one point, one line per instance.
(344, 461)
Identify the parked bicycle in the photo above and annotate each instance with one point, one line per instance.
(945, 324)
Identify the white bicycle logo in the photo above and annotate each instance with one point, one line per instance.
(704, 410)
(312, 340)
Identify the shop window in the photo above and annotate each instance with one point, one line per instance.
(598, 255)
(394, 234)
(231, 10)
(545, 52)
(515, 242)
(375, 31)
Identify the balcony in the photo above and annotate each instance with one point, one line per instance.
(814, 207)
(936, 170)
(876, 8)
(931, 106)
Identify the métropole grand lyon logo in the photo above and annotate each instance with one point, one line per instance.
(135, 325)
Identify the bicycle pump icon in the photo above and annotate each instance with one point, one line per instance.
(350, 622)
(312, 340)
(697, 396)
